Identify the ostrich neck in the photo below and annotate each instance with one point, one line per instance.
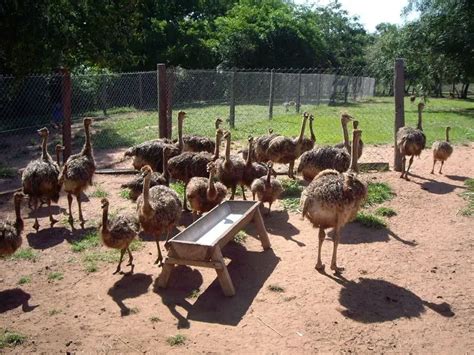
(211, 189)
(105, 219)
(269, 175)
(146, 193)
(180, 134)
(227, 150)
(419, 125)
(166, 174)
(216, 149)
(303, 125)
(19, 220)
(249, 154)
(87, 144)
(354, 155)
(44, 144)
(447, 135)
(58, 156)
(346, 136)
(313, 136)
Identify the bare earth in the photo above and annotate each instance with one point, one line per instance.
(407, 288)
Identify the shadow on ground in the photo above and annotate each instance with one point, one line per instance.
(129, 286)
(11, 299)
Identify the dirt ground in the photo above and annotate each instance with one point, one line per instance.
(407, 288)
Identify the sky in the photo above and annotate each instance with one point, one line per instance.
(370, 12)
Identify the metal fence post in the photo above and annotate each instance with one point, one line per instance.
(232, 100)
(140, 90)
(66, 92)
(298, 98)
(270, 100)
(399, 90)
(162, 100)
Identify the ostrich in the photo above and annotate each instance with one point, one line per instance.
(59, 149)
(159, 210)
(199, 143)
(78, 172)
(260, 147)
(203, 194)
(332, 199)
(252, 171)
(135, 186)
(40, 180)
(355, 125)
(286, 150)
(267, 189)
(411, 141)
(118, 233)
(191, 164)
(10, 231)
(230, 169)
(151, 152)
(442, 151)
(318, 159)
(308, 143)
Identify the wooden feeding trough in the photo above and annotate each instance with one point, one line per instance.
(201, 243)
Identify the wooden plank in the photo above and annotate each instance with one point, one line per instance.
(165, 275)
(8, 192)
(262, 232)
(208, 264)
(223, 274)
(116, 171)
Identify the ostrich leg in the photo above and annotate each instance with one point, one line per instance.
(122, 252)
(434, 163)
(321, 236)
(233, 192)
(35, 209)
(408, 169)
(69, 202)
(81, 218)
(51, 219)
(291, 168)
(159, 260)
(337, 236)
(404, 160)
(243, 193)
(441, 167)
(130, 260)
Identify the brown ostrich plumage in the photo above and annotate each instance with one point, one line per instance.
(442, 150)
(230, 169)
(411, 142)
(41, 180)
(331, 200)
(10, 230)
(266, 188)
(355, 125)
(78, 172)
(199, 143)
(159, 210)
(252, 171)
(118, 233)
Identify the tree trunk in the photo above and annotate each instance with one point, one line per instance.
(464, 91)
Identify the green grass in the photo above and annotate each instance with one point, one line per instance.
(385, 212)
(276, 288)
(378, 192)
(54, 311)
(155, 319)
(55, 276)
(178, 339)
(136, 244)
(179, 188)
(24, 280)
(370, 221)
(291, 204)
(468, 195)
(125, 194)
(88, 241)
(25, 254)
(375, 117)
(91, 267)
(99, 192)
(290, 197)
(6, 172)
(240, 238)
(10, 339)
(134, 310)
(194, 294)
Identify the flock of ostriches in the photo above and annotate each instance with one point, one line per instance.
(332, 198)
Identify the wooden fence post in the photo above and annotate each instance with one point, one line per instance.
(232, 99)
(66, 93)
(162, 100)
(399, 92)
(298, 98)
(270, 100)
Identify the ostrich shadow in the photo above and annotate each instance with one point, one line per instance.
(129, 286)
(43, 212)
(436, 187)
(277, 224)
(13, 298)
(77, 235)
(47, 238)
(355, 233)
(457, 177)
(376, 301)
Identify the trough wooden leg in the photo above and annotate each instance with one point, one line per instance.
(223, 274)
(165, 272)
(262, 232)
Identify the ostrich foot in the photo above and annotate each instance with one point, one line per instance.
(36, 225)
(82, 223)
(336, 269)
(117, 271)
(53, 221)
(320, 266)
(407, 178)
(432, 172)
(159, 261)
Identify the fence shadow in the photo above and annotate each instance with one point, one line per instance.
(129, 286)
(13, 298)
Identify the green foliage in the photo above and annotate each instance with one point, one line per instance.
(155, 319)
(385, 212)
(24, 280)
(469, 196)
(55, 276)
(291, 204)
(88, 241)
(240, 238)
(291, 188)
(194, 294)
(276, 288)
(136, 245)
(54, 312)
(125, 194)
(11, 338)
(6, 172)
(99, 191)
(178, 186)
(178, 339)
(370, 221)
(378, 192)
(25, 254)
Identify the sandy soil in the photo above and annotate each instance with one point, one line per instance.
(406, 288)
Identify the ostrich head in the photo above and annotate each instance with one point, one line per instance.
(43, 132)
(270, 130)
(346, 118)
(218, 122)
(227, 135)
(305, 114)
(311, 117)
(355, 124)
(87, 121)
(448, 128)
(104, 203)
(250, 139)
(181, 115)
(18, 196)
(59, 148)
(421, 106)
(211, 167)
(146, 170)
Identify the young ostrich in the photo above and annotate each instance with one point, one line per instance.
(40, 180)
(260, 147)
(159, 210)
(267, 189)
(199, 143)
(411, 141)
(331, 200)
(10, 231)
(285, 150)
(442, 150)
(318, 159)
(204, 194)
(230, 169)
(135, 186)
(187, 165)
(59, 149)
(252, 171)
(78, 172)
(355, 125)
(308, 143)
(118, 233)
(151, 152)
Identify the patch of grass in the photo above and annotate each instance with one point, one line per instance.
(378, 192)
(468, 195)
(179, 188)
(155, 319)
(25, 254)
(240, 238)
(55, 276)
(24, 280)
(291, 188)
(178, 339)
(370, 221)
(99, 192)
(291, 204)
(194, 294)
(91, 267)
(276, 288)
(109, 256)
(54, 311)
(134, 310)
(88, 241)
(10, 338)
(385, 212)
(136, 244)
(6, 172)
(125, 194)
